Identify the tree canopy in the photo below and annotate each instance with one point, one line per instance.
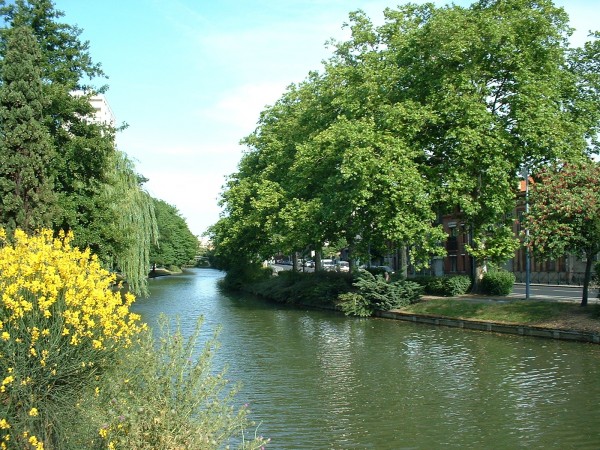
(564, 213)
(27, 199)
(434, 111)
(176, 245)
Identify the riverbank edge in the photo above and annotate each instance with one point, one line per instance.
(565, 334)
(478, 325)
(494, 327)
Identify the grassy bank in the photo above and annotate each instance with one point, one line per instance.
(534, 313)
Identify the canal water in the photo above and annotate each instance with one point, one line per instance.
(319, 380)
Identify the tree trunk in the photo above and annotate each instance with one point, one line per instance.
(586, 279)
(318, 265)
(403, 260)
(351, 269)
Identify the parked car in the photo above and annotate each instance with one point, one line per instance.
(328, 264)
(309, 263)
(343, 266)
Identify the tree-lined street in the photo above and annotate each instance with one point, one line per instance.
(436, 112)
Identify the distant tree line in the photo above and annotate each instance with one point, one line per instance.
(59, 169)
(438, 110)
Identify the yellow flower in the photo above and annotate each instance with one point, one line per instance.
(35, 443)
(4, 425)
(5, 335)
(33, 412)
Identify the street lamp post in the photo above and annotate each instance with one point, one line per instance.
(527, 251)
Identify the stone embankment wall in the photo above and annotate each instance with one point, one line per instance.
(495, 327)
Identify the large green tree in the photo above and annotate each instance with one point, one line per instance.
(494, 85)
(435, 111)
(83, 148)
(27, 200)
(564, 214)
(176, 245)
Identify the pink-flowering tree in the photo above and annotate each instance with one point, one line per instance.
(564, 215)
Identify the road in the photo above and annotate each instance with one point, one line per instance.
(553, 292)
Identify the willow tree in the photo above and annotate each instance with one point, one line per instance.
(133, 211)
(26, 151)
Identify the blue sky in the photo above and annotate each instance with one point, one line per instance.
(191, 77)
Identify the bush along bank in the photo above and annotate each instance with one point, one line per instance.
(444, 286)
(365, 295)
(358, 294)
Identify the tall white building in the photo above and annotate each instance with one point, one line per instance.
(102, 112)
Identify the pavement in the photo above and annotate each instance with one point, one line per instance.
(540, 292)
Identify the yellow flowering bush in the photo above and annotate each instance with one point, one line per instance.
(61, 319)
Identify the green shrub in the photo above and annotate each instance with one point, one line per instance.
(446, 286)
(431, 285)
(457, 285)
(163, 394)
(354, 304)
(375, 270)
(497, 282)
(317, 288)
(243, 274)
(378, 294)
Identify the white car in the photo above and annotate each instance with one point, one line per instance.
(343, 266)
(328, 264)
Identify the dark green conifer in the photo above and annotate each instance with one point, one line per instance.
(26, 150)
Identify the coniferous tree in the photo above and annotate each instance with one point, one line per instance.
(98, 194)
(26, 187)
(83, 147)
